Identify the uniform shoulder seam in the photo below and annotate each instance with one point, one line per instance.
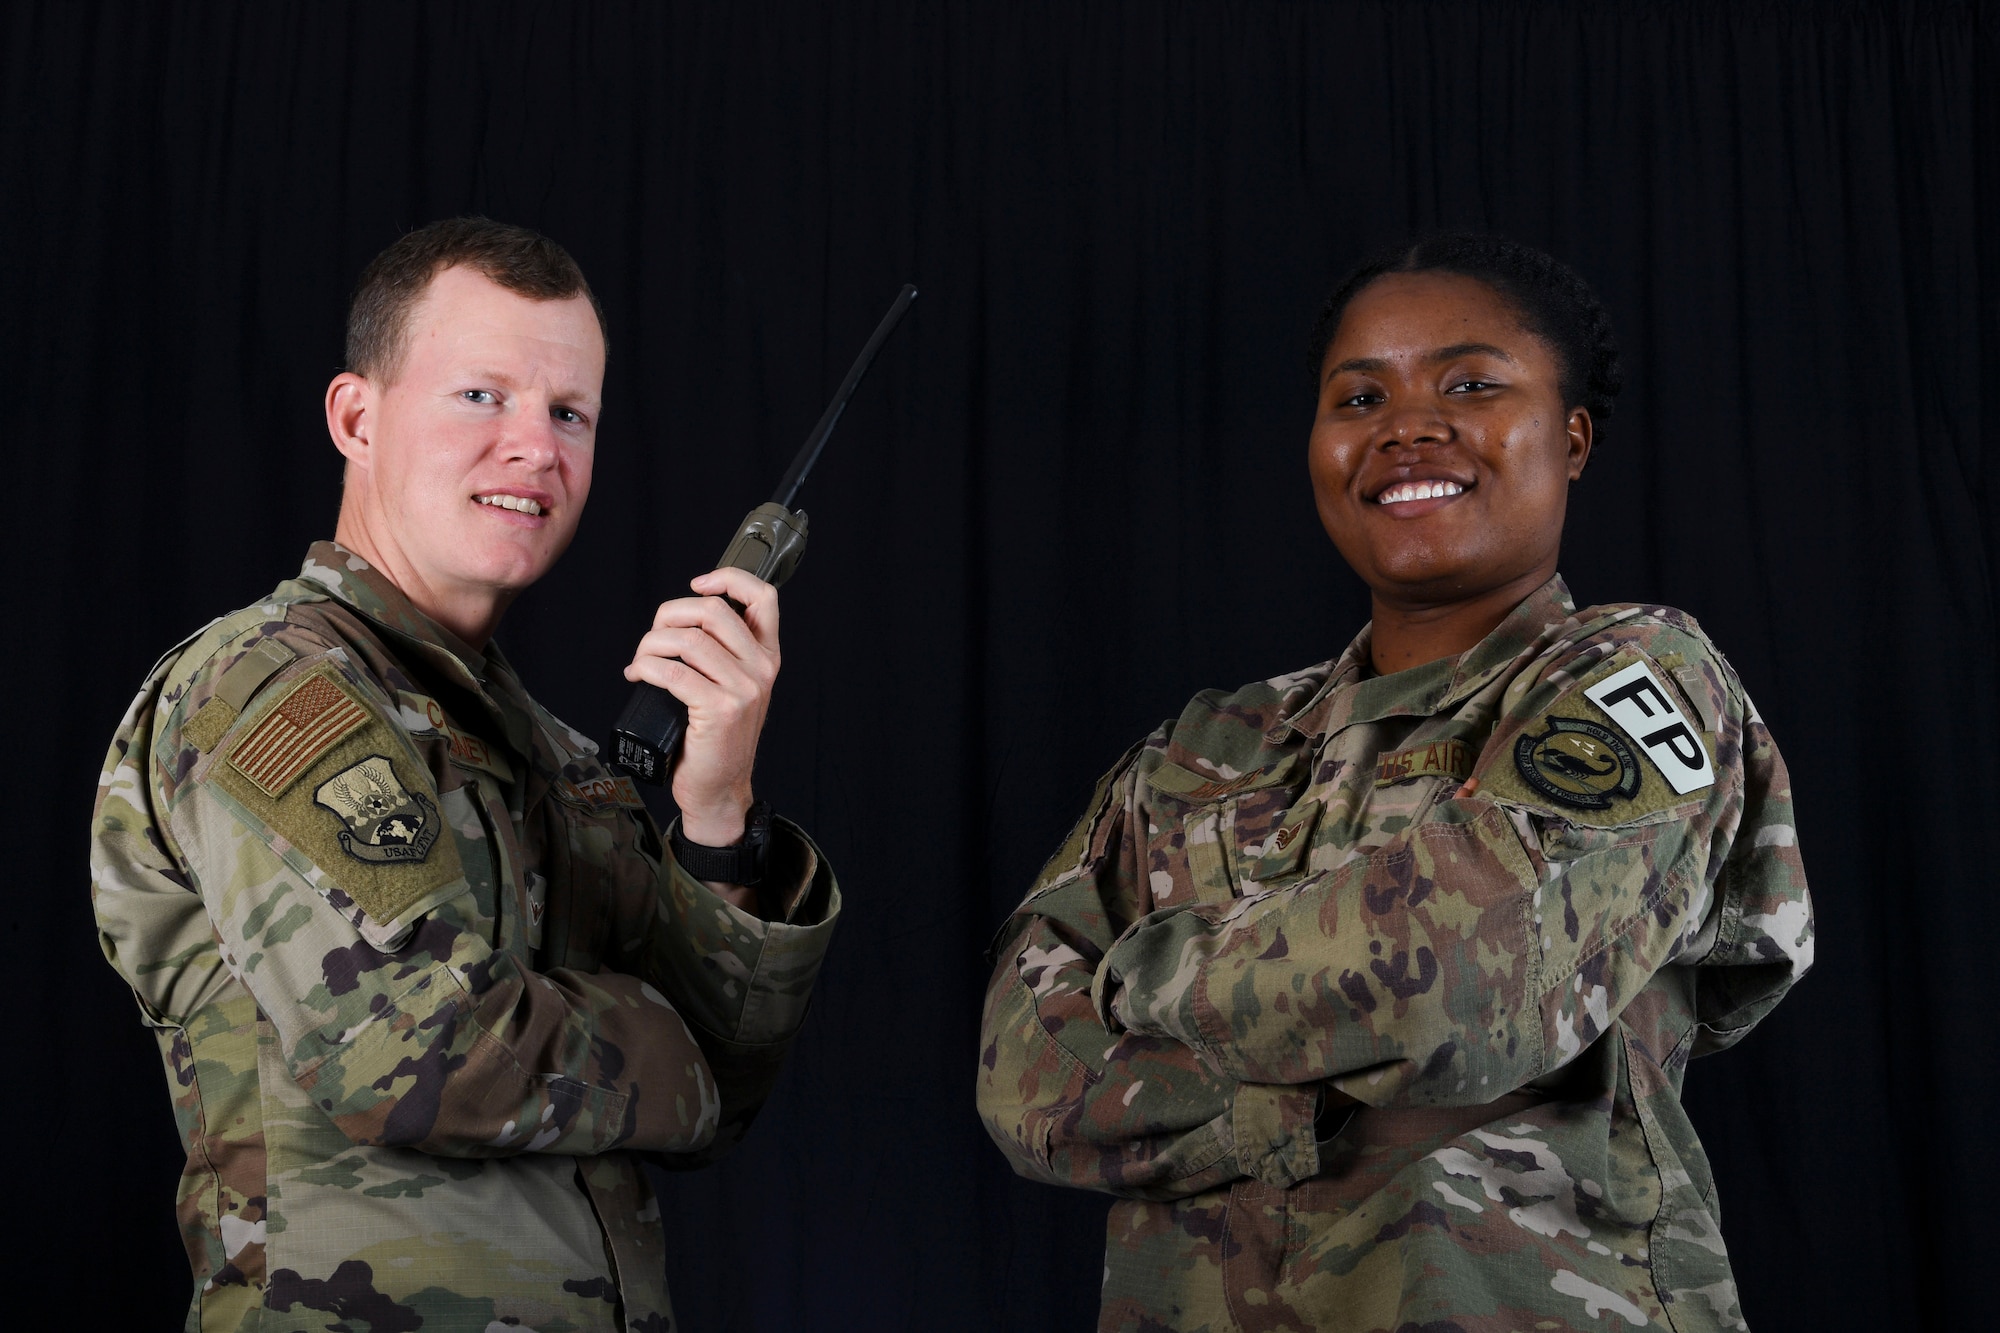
(1628, 622)
(1275, 698)
(212, 642)
(1641, 613)
(227, 632)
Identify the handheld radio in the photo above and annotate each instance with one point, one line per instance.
(772, 537)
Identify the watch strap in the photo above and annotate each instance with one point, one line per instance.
(742, 863)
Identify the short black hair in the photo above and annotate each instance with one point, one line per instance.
(1554, 302)
(516, 258)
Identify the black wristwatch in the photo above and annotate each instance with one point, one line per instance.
(742, 863)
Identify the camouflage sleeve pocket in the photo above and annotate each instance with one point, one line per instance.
(1087, 840)
(335, 788)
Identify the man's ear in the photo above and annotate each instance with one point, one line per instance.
(350, 415)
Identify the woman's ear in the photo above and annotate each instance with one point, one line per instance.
(1580, 436)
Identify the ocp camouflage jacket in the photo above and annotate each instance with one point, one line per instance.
(1288, 902)
(423, 977)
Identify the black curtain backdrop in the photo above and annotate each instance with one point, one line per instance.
(1072, 493)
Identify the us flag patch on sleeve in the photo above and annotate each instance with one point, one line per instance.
(307, 723)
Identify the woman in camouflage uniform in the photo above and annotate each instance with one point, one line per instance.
(1370, 989)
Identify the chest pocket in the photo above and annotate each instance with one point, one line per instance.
(1387, 812)
(1214, 839)
(1386, 785)
(1272, 831)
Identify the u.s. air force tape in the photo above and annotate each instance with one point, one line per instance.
(1634, 699)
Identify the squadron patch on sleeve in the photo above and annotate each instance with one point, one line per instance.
(1578, 764)
(1605, 753)
(385, 820)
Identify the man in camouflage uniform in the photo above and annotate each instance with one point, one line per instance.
(427, 979)
(1370, 989)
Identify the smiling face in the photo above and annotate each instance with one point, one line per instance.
(1442, 450)
(467, 471)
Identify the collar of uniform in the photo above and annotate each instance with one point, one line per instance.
(504, 685)
(368, 590)
(489, 675)
(1351, 696)
(1524, 626)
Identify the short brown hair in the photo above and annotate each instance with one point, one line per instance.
(518, 259)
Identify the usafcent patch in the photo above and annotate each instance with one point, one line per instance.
(1578, 764)
(386, 821)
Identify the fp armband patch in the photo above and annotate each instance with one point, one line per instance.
(1636, 701)
(1614, 750)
